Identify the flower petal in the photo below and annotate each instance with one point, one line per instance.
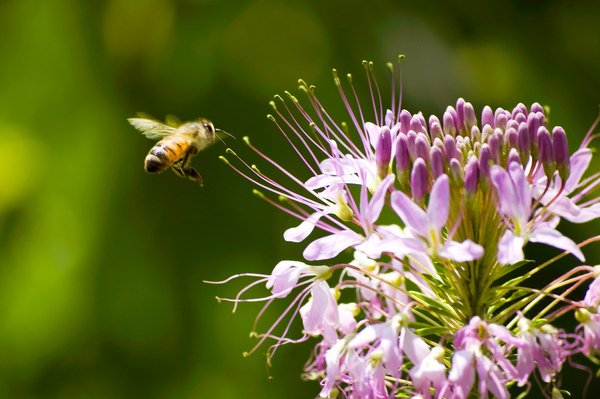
(411, 214)
(330, 246)
(510, 248)
(555, 239)
(378, 199)
(465, 251)
(439, 202)
(303, 230)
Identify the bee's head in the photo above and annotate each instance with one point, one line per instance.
(205, 131)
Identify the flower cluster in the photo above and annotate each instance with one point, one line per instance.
(426, 291)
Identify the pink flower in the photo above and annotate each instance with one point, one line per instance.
(514, 204)
(428, 224)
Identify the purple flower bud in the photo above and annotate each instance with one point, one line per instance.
(422, 147)
(470, 117)
(460, 114)
(437, 161)
(520, 108)
(486, 132)
(494, 145)
(487, 116)
(405, 118)
(411, 138)
(513, 156)
(471, 176)
(433, 119)
(436, 130)
(437, 142)
(533, 124)
(524, 143)
(475, 134)
(419, 116)
(415, 125)
(520, 118)
(449, 126)
(450, 147)
(546, 151)
(501, 121)
(511, 138)
(561, 152)
(418, 179)
(484, 160)
(512, 123)
(456, 170)
(383, 152)
(536, 107)
(402, 156)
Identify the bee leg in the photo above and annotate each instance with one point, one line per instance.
(193, 174)
(186, 171)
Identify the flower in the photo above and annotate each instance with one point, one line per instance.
(422, 223)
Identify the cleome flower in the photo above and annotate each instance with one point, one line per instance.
(423, 222)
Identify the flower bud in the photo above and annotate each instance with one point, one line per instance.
(475, 134)
(494, 144)
(450, 147)
(405, 118)
(520, 118)
(436, 130)
(383, 152)
(487, 116)
(418, 179)
(460, 114)
(501, 121)
(416, 125)
(422, 147)
(402, 156)
(456, 171)
(471, 176)
(484, 160)
(437, 161)
(533, 124)
(470, 117)
(513, 156)
(561, 152)
(448, 123)
(511, 138)
(536, 107)
(411, 138)
(524, 142)
(519, 109)
(546, 151)
(487, 131)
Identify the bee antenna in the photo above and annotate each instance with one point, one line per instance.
(223, 131)
(220, 136)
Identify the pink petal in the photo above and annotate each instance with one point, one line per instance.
(580, 161)
(411, 214)
(330, 246)
(504, 188)
(439, 202)
(465, 251)
(373, 131)
(303, 230)
(284, 277)
(555, 239)
(378, 199)
(510, 248)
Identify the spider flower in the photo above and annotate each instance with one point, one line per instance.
(422, 222)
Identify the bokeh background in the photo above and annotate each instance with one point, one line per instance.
(101, 264)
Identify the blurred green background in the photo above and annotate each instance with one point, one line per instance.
(101, 264)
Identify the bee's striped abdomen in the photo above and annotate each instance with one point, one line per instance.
(164, 154)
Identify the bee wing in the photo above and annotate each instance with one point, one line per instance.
(172, 120)
(151, 128)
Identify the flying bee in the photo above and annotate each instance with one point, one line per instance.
(179, 143)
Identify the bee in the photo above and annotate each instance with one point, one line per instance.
(179, 143)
